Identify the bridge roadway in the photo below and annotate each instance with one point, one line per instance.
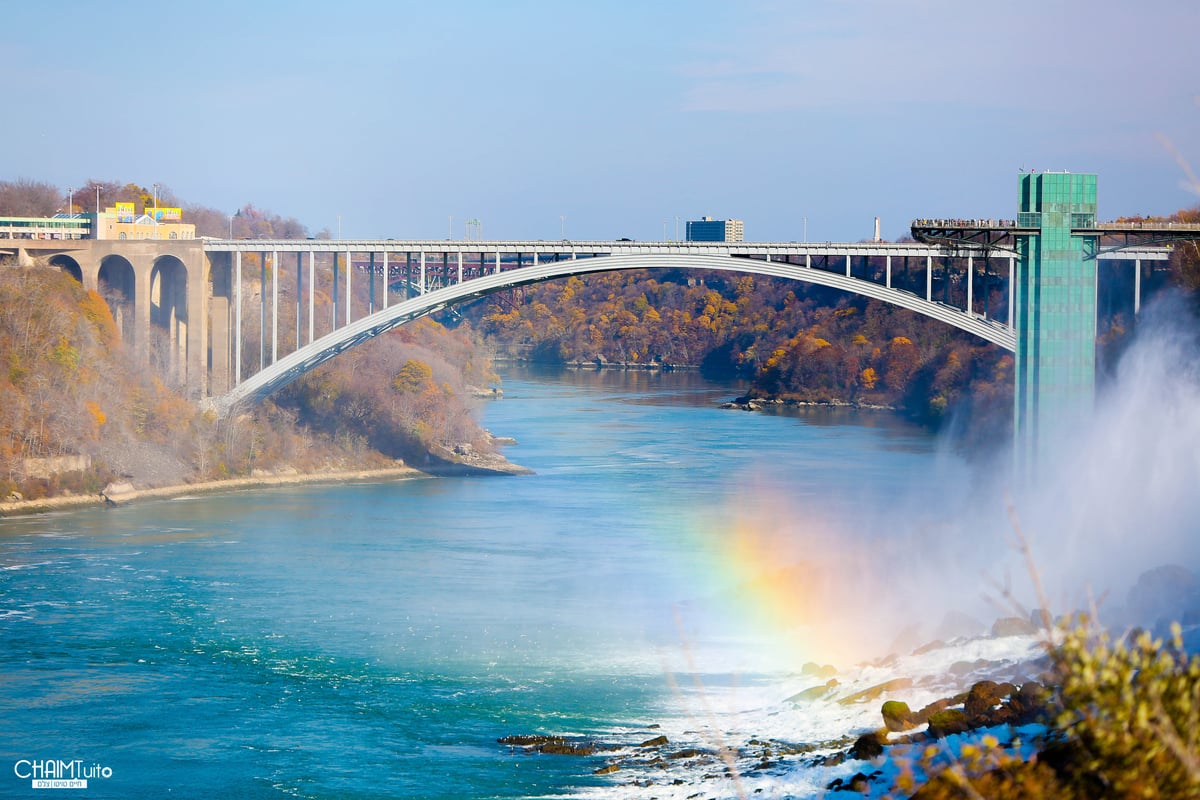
(446, 272)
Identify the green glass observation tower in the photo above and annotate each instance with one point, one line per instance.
(1054, 305)
(1056, 242)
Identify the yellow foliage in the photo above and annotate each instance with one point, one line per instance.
(415, 377)
(96, 311)
(97, 415)
(869, 378)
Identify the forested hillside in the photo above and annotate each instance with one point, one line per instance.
(78, 409)
(799, 342)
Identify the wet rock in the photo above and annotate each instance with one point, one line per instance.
(858, 782)
(814, 693)
(657, 741)
(897, 716)
(554, 745)
(866, 747)
(875, 692)
(689, 752)
(985, 696)
(566, 749)
(936, 644)
(922, 716)
(609, 770)
(967, 667)
(1013, 626)
(944, 723)
(530, 740)
(1029, 703)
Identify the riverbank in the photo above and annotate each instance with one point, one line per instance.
(120, 494)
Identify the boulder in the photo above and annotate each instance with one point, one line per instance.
(875, 692)
(896, 715)
(867, 746)
(814, 693)
(944, 723)
(1029, 703)
(983, 697)
(857, 783)
(657, 741)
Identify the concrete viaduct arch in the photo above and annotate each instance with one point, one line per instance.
(291, 367)
(158, 289)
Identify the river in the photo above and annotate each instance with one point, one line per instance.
(669, 569)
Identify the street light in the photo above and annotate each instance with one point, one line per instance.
(156, 211)
(562, 228)
(70, 201)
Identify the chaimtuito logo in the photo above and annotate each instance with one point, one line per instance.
(54, 773)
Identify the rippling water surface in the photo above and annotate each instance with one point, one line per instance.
(376, 640)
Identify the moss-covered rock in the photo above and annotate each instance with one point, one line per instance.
(897, 716)
(946, 722)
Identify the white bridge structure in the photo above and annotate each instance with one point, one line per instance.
(948, 282)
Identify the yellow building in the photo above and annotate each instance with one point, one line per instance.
(119, 222)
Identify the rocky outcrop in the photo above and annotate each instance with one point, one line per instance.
(897, 716)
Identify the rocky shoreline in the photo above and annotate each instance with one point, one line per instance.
(1008, 705)
(462, 461)
(748, 403)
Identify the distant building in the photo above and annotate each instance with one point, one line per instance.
(120, 222)
(707, 229)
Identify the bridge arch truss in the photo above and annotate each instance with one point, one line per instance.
(763, 262)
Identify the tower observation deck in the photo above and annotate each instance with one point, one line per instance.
(1057, 240)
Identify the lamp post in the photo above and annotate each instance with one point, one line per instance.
(231, 226)
(70, 201)
(562, 228)
(156, 211)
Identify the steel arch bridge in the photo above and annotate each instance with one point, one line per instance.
(292, 366)
(484, 268)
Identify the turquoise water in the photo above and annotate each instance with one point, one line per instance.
(375, 640)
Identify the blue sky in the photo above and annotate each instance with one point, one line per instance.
(617, 116)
